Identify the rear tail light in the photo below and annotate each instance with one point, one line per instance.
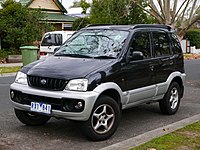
(43, 53)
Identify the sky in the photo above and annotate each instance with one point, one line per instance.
(68, 3)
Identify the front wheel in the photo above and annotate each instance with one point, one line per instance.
(104, 119)
(30, 118)
(171, 101)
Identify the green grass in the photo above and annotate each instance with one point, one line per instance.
(9, 69)
(187, 138)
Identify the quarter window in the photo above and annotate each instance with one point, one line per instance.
(161, 44)
(175, 44)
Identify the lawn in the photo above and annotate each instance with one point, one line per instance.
(9, 69)
(187, 138)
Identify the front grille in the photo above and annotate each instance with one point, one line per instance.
(46, 83)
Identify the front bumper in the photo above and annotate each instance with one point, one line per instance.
(89, 99)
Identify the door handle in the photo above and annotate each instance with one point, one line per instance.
(171, 63)
(152, 68)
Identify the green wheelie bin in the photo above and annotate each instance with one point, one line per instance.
(29, 54)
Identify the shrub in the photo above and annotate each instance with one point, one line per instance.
(5, 52)
(193, 36)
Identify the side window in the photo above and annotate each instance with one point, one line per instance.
(161, 44)
(141, 43)
(175, 44)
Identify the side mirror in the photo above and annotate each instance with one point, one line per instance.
(136, 55)
(56, 49)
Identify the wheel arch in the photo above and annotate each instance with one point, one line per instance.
(179, 80)
(113, 94)
(112, 90)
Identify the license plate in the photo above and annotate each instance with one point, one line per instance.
(41, 107)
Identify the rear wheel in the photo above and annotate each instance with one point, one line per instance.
(30, 118)
(171, 101)
(104, 119)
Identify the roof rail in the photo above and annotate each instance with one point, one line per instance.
(95, 25)
(134, 26)
(152, 26)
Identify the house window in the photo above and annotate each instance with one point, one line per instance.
(67, 26)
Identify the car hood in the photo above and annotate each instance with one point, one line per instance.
(67, 67)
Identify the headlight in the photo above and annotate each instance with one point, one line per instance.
(21, 78)
(77, 85)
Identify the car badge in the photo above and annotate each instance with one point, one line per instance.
(43, 81)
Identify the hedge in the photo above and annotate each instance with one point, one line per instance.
(193, 36)
(5, 52)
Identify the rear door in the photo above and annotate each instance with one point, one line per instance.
(164, 59)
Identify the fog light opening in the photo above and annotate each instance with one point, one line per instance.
(12, 94)
(68, 107)
(79, 105)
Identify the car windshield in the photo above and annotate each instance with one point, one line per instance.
(94, 43)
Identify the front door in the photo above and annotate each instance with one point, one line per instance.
(140, 73)
(163, 56)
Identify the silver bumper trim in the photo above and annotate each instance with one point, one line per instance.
(88, 97)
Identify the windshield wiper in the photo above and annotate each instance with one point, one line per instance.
(105, 57)
(73, 55)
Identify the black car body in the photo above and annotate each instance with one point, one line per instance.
(98, 72)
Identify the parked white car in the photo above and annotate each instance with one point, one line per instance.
(52, 40)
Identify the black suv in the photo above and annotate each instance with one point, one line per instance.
(100, 71)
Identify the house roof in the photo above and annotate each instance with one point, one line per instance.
(58, 17)
(57, 2)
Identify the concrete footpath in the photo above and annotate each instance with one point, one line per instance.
(11, 65)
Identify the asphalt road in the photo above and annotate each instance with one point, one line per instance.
(66, 135)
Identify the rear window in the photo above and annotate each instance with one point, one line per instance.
(52, 40)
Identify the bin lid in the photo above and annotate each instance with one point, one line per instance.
(29, 48)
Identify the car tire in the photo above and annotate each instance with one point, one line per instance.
(30, 118)
(170, 103)
(104, 119)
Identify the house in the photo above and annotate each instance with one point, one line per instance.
(55, 12)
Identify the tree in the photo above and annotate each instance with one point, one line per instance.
(117, 12)
(19, 25)
(80, 23)
(83, 4)
(167, 12)
(76, 4)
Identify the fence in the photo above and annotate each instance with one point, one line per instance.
(185, 44)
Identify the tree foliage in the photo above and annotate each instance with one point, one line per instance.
(167, 12)
(194, 37)
(19, 25)
(83, 4)
(80, 23)
(76, 4)
(118, 12)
